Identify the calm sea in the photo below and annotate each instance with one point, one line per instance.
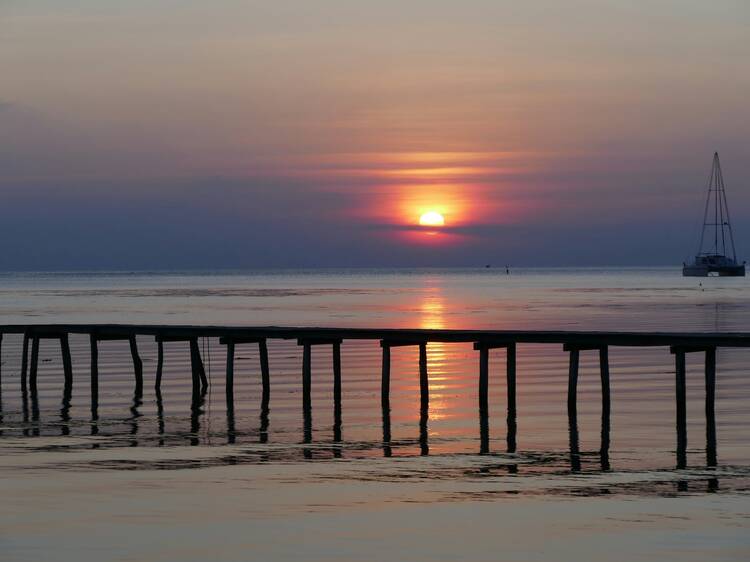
(154, 479)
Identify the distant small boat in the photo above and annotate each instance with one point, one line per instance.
(713, 259)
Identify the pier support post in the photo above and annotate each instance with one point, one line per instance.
(337, 390)
(307, 344)
(385, 379)
(94, 374)
(196, 364)
(573, 382)
(159, 364)
(230, 374)
(484, 362)
(484, 348)
(197, 372)
(231, 342)
(710, 403)
(681, 410)
(24, 358)
(424, 381)
(137, 365)
(67, 363)
(511, 384)
(34, 363)
(574, 349)
(95, 337)
(306, 377)
(484, 426)
(194, 375)
(265, 375)
(604, 372)
(62, 337)
(679, 352)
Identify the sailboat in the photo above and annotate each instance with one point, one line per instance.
(712, 259)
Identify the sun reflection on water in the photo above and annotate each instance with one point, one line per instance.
(432, 317)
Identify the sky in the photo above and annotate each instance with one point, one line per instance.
(238, 134)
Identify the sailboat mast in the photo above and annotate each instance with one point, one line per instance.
(705, 210)
(716, 205)
(725, 213)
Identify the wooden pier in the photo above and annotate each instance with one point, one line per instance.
(572, 342)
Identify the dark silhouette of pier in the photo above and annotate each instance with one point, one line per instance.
(483, 341)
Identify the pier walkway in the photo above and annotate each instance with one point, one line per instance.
(571, 342)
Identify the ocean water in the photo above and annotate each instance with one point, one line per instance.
(155, 478)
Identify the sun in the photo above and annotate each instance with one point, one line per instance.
(431, 218)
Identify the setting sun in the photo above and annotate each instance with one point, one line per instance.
(431, 218)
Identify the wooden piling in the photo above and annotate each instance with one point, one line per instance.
(196, 363)
(606, 402)
(94, 374)
(604, 374)
(306, 377)
(194, 359)
(337, 374)
(137, 365)
(24, 358)
(710, 410)
(307, 396)
(159, 364)
(424, 381)
(484, 424)
(510, 347)
(34, 362)
(385, 379)
(511, 389)
(484, 362)
(573, 382)
(680, 397)
(67, 363)
(337, 391)
(265, 374)
(230, 374)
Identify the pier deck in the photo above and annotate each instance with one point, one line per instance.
(572, 342)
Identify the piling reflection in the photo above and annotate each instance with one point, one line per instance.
(337, 436)
(25, 407)
(231, 426)
(575, 453)
(264, 420)
(135, 414)
(65, 409)
(307, 428)
(484, 432)
(604, 448)
(424, 447)
(387, 451)
(35, 426)
(196, 412)
(160, 425)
